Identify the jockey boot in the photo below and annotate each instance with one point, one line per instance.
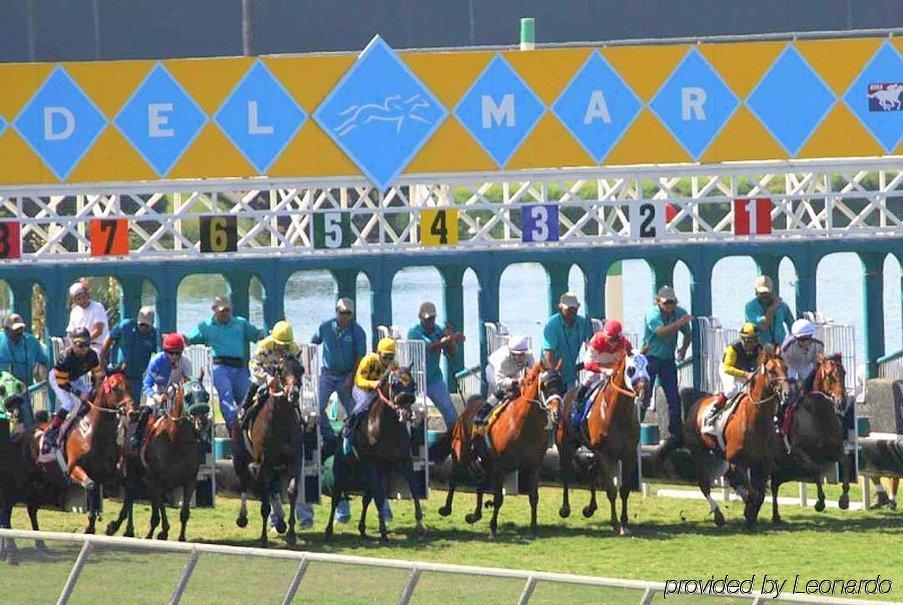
(348, 433)
(579, 404)
(52, 435)
(708, 422)
(138, 432)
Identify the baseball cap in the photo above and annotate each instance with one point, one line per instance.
(76, 289)
(666, 293)
(427, 309)
(569, 299)
(14, 322)
(764, 285)
(518, 344)
(221, 303)
(345, 304)
(146, 315)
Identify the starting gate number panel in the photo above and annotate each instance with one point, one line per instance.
(540, 223)
(752, 216)
(332, 230)
(10, 240)
(647, 220)
(109, 237)
(439, 227)
(219, 233)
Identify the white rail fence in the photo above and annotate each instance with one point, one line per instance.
(645, 591)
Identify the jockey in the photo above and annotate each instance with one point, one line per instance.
(606, 349)
(738, 365)
(366, 380)
(801, 351)
(70, 383)
(271, 350)
(165, 368)
(505, 369)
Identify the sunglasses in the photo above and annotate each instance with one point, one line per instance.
(171, 354)
(345, 313)
(669, 302)
(80, 345)
(388, 357)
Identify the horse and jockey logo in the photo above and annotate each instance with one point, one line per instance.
(885, 96)
(392, 109)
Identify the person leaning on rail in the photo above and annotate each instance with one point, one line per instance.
(663, 321)
(563, 335)
(23, 356)
(228, 338)
(88, 314)
(438, 341)
(132, 344)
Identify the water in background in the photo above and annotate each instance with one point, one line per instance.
(524, 302)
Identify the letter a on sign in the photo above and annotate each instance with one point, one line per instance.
(752, 216)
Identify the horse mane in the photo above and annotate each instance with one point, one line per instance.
(530, 384)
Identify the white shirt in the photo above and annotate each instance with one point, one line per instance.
(503, 371)
(86, 318)
(801, 361)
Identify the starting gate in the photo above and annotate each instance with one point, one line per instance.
(309, 407)
(412, 353)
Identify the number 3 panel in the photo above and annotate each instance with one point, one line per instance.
(219, 233)
(540, 223)
(647, 220)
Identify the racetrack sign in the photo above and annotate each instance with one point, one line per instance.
(540, 223)
(219, 233)
(10, 240)
(752, 216)
(331, 230)
(109, 237)
(439, 227)
(647, 220)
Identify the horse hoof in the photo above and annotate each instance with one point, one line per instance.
(778, 522)
(564, 512)
(820, 505)
(420, 531)
(623, 531)
(327, 535)
(719, 518)
(181, 538)
(492, 536)
(112, 528)
(163, 535)
(844, 502)
(445, 511)
(362, 531)
(472, 518)
(291, 539)
(150, 535)
(128, 534)
(41, 547)
(89, 531)
(589, 511)
(489, 504)
(280, 527)
(241, 522)
(384, 539)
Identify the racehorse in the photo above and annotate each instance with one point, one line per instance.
(816, 435)
(517, 440)
(383, 444)
(269, 451)
(612, 435)
(751, 444)
(12, 472)
(169, 458)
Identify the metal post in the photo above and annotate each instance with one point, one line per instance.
(488, 303)
(529, 587)
(296, 581)
(804, 494)
(453, 293)
(873, 299)
(183, 581)
(247, 32)
(409, 587)
(557, 274)
(647, 597)
(76, 571)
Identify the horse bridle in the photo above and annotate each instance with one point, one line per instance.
(118, 410)
(840, 407)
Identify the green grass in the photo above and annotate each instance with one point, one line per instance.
(671, 539)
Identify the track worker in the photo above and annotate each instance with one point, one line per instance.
(438, 341)
(771, 315)
(132, 343)
(563, 335)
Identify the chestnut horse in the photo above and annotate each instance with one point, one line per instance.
(817, 435)
(751, 444)
(275, 440)
(517, 440)
(383, 443)
(612, 434)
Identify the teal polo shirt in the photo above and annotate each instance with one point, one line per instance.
(133, 348)
(226, 340)
(341, 348)
(780, 324)
(565, 341)
(21, 357)
(433, 373)
(655, 345)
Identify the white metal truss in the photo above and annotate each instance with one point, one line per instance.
(811, 200)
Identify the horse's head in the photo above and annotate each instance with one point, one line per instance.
(771, 381)
(197, 402)
(550, 387)
(12, 394)
(830, 379)
(636, 374)
(285, 372)
(115, 392)
(400, 389)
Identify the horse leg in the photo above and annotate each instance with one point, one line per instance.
(477, 514)
(164, 520)
(185, 513)
(32, 509)
(265, 509)
(844, 501)
(334, 501)
(820, 503)
(628, 465)
(590, 509)
(607, 468)
(113, 526)
(366, 498)
(498, 498)
(566, 463)
(382, 489)
(704, 481)
(534, 501)
(80, 476)
(155, 514)
(756, 496)
(418, 512)
(242, 519)
(290, 536)
(450, 495)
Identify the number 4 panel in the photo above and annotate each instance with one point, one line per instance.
(439, 227)
(109, 236)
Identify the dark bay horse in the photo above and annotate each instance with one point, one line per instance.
(612, 434)
(752, 446)
(816, 435)
(383, 443)
(518, 440)
(268, 454)
(169, 458)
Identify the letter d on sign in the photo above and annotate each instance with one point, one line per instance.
(51, 134)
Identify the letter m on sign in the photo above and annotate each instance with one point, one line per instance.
(752, 216)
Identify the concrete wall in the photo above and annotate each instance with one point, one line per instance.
(55, 30)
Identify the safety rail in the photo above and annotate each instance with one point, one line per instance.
(838, 339)
(891, 366)
(470, 382)
(646, 590)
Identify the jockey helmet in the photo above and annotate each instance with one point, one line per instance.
(802, 328)
(386, 346)
(80, 335)
(748, 331)
(518, 344)
(282, 333)
(173, 343)
(613, 329)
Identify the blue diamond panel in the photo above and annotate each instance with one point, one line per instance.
(597, 106)
(791, 100)
(694, 103)
(60, 123)
(500, 110)
(380, 114)
(2, 125)
(160, 120)
(876, 97)
(260, 117)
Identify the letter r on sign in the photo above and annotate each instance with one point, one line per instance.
(692, 99)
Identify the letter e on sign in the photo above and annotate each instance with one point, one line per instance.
(10, 240)
(752, 216)
(109, 236)
(439, 227)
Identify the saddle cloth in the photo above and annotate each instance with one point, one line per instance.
(719, 423)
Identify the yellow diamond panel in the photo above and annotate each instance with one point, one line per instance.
(742, 64)
(548, 146)
(645, 68)
(451, 149)
(211, 155)
(548, 72)
(209, 81)
(18, 83)
(838, 62)
(309, 79)
(95, 79)
(448, 75)
(18, 163)
(312, 153)
(743, 138)
(647, 141)
(841, 134)
(112, 158)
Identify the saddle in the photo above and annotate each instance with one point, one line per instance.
(589, 403)
(718, 423)
(483, 431)
(58, 453)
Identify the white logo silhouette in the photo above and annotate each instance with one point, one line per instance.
(392, 109)
(888, 98)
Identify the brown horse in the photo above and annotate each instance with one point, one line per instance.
(272, 453)
(752, 447)
(816, 435)
(612, 435)
(383, 444)
(517, 440)
(169, 458)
